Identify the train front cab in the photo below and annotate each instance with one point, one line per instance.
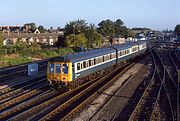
(59, 73)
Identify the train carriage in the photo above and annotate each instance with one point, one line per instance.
(64, 70)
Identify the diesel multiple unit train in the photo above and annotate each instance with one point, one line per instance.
(62, 71)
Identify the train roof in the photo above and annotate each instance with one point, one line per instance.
(95, 52)
(142, 42)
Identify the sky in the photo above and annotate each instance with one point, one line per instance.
(155, 14)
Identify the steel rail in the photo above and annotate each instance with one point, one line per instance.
(110, 96)
(20, 85)
(162, 86)
(48, 104)
(21, 90)
(142, 97)
(90, 93)
(28, 104)
(178, 90)
(34, 92)
(16, 72)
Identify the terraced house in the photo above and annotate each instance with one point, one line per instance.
(41, 38)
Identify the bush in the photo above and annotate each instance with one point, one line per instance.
(13, 60)
(64, 51)
(19, 53)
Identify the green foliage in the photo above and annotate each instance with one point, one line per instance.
(59, 52)
(75, 31)
(177, 30)
(106, 28)
(41, 29)
(48, 54)
(1, 40)
(24, 48)
(31, 25)
(64, 51)
(109, 28)
(93, 37)
(10, 60)
(75, 27)
(22, 53)
(76, 40)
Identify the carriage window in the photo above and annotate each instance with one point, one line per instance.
(78, 66)
(51, 68)
(100, 59)
(89, 62)
(58, 68)
(111, 56)
(94, 61)
(81, 66)
(114, 55)
(103, 59)
(106, 58)
(123, 52)
(126, 51)
(84, 64)
(119, 53)
(65, 68)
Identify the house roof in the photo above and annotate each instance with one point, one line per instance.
(27, 35)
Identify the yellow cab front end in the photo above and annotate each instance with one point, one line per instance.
(59, 73)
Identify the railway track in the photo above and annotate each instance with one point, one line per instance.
(146, 109)
(35, 100)
(67, 102)
(23, 97)
(20, 85)
(22, 90)
(165, 112)
(44, 100)
(7, 73)
(79, 102)
(176, 62)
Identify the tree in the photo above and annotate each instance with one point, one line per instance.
(75, 27)
(106, 28)
(41, 29)
(177, 30)
(58, 28)
(1, 40)
(73, 40)
(118, 27)
(109, 28)
(93, 37)
(30, 26)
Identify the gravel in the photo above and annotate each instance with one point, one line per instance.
(101, 109)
